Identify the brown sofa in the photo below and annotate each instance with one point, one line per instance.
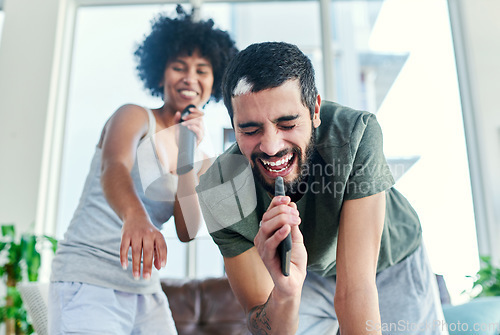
(209, 307)
(205, 307)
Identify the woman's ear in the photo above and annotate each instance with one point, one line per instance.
(316, 119)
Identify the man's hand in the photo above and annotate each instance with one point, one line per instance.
(281, 218)
(146, 241)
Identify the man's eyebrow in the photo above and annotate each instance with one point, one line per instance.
(249, 124)
(278, 120)
(287, 118)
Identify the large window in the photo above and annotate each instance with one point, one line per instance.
(408, 78)
(384, 60)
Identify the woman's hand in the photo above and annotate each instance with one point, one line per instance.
(193, 121)
(146, 241)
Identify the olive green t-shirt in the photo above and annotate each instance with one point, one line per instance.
(347, 163)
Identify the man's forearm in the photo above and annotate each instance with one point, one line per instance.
(357, 311)
(276, 316)
(258, 321)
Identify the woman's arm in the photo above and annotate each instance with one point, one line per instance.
(187, 211)
(121, 137)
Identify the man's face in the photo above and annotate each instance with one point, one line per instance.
(273, 130)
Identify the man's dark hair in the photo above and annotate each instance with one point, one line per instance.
(172, 37)
(268, 65)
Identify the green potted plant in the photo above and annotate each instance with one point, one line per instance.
(487, 278)
(19, 261)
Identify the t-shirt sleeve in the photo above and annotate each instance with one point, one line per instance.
(229, 211)
(231, 243)
(232, 240)
(370, 173)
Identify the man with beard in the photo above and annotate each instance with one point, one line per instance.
(357, 261)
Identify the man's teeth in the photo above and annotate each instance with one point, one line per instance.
(283, 169)
(285, 160)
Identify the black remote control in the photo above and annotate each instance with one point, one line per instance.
(185, 157)
(285, 246)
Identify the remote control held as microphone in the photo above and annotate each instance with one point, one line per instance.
(285, 246)
(185, 157)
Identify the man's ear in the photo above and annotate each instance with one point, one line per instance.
(316, 119)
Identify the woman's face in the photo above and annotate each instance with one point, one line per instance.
(187, 80)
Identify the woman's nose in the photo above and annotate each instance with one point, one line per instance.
(190, 76)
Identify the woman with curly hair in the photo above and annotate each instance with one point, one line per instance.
(96, 283)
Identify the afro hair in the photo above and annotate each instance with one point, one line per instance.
(171, 37)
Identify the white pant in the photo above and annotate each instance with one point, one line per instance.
(79, 308)
(408, 300)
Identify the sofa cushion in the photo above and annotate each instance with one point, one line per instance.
(204, 307)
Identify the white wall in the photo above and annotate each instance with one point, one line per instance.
(27, 51)
(476, 31)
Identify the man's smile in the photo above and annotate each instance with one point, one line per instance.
(284, 164)
(279, 165)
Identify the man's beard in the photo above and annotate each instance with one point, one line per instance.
(292, 188)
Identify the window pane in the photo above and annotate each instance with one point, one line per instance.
(392, 65)
(209, 262)
(252, 22)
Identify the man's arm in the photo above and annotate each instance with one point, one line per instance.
(267, 311)
(270, 299)
(356, 296)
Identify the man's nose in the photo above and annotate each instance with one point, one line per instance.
(271, 143)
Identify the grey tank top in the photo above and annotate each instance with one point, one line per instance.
(90, 250)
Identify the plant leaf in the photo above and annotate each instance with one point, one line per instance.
(33, 265)
(488, 278)
(53, 241)
(31, 256)
(9, 230)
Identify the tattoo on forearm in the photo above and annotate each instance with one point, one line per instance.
(258, 322)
